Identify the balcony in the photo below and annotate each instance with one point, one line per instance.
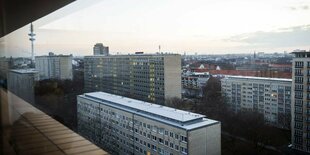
(28, 130)
(299, 74)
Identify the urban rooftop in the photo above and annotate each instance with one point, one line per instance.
(171, 116)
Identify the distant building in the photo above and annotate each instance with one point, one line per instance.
(128, 126)
(54, 66)
(268, 96)
(193, 83)
(148, 77)
(301, 101)
(21, 82)
(99, 49)
(5, 65)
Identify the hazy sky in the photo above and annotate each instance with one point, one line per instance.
(202, 26)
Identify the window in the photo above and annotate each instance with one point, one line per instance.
(176, 136)
(154, 147)
(171, 145)
(171, 134)
(166, 143)
(176, 147)
(183, 139)
(154, 138)
(166, 132)
(183, 150)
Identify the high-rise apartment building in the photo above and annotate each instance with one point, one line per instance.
(301, 101)
(21, 82)
(54, 66)
(152, 78)
(129, 126)
(99, 49)
(268, 96)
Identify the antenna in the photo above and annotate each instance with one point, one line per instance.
(32, 39)
(159, 48)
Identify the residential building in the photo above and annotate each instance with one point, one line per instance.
(99, 49)
(54, 66)
(268, 96)
(148, 77)
(129, 126)
(301, 101)
(21, 82)
(193, 83)
(5, 66)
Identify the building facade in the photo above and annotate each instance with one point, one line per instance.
(268, 96)
(193, 83)
(5, 65)
(99, 49)
(151, 78)
(54, 66)
(21, 82)
(129, 126)
(300, 126)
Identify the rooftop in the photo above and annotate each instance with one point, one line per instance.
(260, 78)
(133, 55)
(25, 71)
(175, 117)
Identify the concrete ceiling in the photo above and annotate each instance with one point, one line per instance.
(15, 14)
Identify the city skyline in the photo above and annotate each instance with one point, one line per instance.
(202, 27)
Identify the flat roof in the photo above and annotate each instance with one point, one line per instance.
(133, 55)
(25, 71)
(180, 118)
(260, 78)
(54, 56)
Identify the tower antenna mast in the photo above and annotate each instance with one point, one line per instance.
(32, 39)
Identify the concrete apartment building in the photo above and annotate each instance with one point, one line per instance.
(99, 49)
(269, 96)
(129, 126)
(300, 124)
(148, 77)
(54, 66)
(21, 82)
(5, 66)
(193, 83)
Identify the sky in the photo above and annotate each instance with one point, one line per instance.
(178, 26)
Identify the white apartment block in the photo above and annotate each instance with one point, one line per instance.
(54, 66)
(300, 126)
(269, 96)
(129, 126)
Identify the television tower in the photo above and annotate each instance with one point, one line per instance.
(32, 39)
